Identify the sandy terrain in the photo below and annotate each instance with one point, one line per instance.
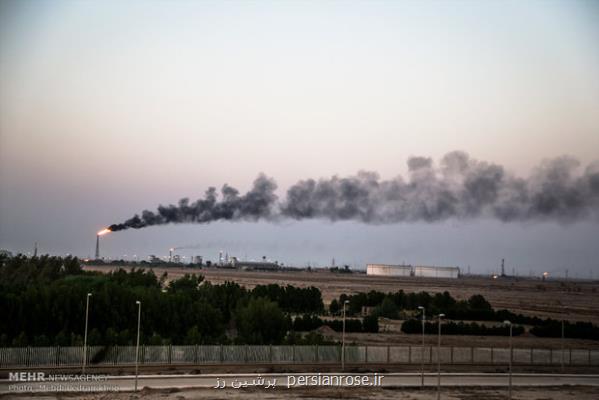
(552, 393)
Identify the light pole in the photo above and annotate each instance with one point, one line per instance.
(85, 335)
(422, 348)
(509, 395)
(137, 346)
(439, 358)
(562, 342)
(346, 302)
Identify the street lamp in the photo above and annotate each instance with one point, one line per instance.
(137, 346)
(508, 323)
(85, 335)
(422, 348)
(562, 342)
(439, 358)
(346, 302)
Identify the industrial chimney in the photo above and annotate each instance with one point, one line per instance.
(97, 247)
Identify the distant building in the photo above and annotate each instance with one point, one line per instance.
(5, 253)
(154, 260)
(436, 272)
(388, 270)
(409, 270)
(257, 265)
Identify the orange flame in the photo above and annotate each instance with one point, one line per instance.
(103, 232)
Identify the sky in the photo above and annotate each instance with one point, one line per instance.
(108, 108)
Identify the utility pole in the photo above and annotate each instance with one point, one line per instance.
(85, 335)
(439, 358)
(137, 346)
(422, 348)
(345, 303)
(510, 365)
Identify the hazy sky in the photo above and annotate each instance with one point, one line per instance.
(108, 108)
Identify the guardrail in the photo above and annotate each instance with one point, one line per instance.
(242, 354)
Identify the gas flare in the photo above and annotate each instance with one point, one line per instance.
(104, 232)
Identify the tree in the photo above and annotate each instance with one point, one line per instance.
(387, 309)
(261, 321)
(370, 324)
(334, 307)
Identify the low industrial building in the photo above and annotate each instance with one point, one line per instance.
(257, 265)
(388, 270)
(409, 270)
(436, 272)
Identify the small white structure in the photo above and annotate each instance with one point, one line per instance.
(388, 270)
(436, 272)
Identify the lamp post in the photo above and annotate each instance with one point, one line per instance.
(562, 343)
(439, 358)
(508, 323)
(422, 348)
(346, 302)
(137, 346)
(85, 334)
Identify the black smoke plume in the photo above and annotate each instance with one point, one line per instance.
(459, 187)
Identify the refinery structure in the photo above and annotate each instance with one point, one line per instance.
(410, 270)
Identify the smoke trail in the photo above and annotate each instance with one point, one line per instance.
(254, 205)
(460, 187)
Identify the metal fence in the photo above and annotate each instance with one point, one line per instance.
(198, 355)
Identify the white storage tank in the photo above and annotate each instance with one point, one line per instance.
(388, 270)
(436, 272)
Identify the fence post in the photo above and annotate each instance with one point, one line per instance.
(170, 353)
(245, 355)
(410, 355)
(532, 356)
(430, 354)
(366, 354)
(196, 356)
(57, 356)
(589, 356)
(492, 356)
(221, 354)
(316, 353)
(388, 354)
(451, 355)
(28, 359)
(293, 355)
(270, 353)
(471, 355)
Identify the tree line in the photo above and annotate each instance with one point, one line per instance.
(43, 300)
(401, 305)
